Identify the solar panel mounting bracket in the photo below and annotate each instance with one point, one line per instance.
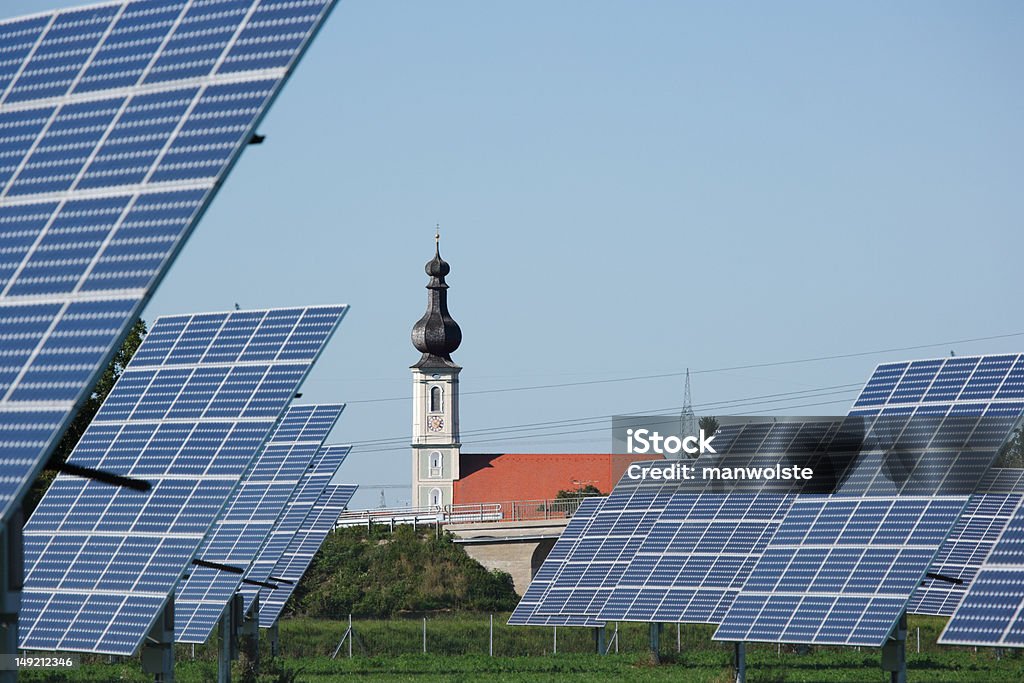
(104, 477)
(942, 577)
(218, 566)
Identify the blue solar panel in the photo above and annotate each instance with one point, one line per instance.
(525, 613)
(190, 412)
(117, 125)
(248, 517)
(696, 558)
(992, 610)
(299, 553)
(661, 558)
(605, 549)
(311, 486)
(964, 552)
(842, 569)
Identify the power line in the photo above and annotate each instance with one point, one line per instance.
(500, 433)
(749, 401)
(749, 366)
(596, 429)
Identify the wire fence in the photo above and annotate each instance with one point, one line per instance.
(484, 634)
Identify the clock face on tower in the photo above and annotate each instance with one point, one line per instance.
(435, 423)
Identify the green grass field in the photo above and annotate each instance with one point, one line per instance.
(457, 651)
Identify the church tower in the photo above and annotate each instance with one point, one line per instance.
(435, 394)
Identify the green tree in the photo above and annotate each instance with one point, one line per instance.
(1012, 452)
(579, 492)
(709, 424)
(85, 414)
(373, 574)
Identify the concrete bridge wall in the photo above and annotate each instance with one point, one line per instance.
(518, 548)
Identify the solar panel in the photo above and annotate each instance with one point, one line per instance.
(696, 557)
(248, 517)
(990, 613)
(525, 612)
(605, 548)
(310, 487)
(117, 125)
(189, 413)
(700, 551)
(963, 553)
(842, 569)
(304, 545)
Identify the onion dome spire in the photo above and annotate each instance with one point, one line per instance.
(436, 335)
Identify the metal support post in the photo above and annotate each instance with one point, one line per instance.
(273, 639)
(655, 643)
(348, 636)
(894, 652)
(599, 641)
(224, 654)
(157, 652)
(249, 634)
(11, 579)
(740, 662)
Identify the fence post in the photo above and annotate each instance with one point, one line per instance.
(424, 635)
(918, 640)
(351, 635)
(491, 647)
(554, 648)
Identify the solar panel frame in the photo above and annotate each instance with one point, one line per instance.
(247, 519)
(301, 550)
(33, 421)
(89, 543)
(309, 490)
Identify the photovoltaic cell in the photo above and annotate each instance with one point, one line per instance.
(304, 545)
(117, 125)
(248, 517)
(189, 413)
(310, 487)
(525, 612)
(842, 569)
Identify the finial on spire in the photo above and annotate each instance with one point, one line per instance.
(436, 335)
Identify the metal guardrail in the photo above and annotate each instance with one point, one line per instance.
(508, 511)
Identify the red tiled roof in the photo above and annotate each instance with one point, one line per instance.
(496, 477)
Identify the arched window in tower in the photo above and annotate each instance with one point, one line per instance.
(436, 402)
(435, 498)
(436, 464)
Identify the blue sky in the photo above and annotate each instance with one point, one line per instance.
(628, 189)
